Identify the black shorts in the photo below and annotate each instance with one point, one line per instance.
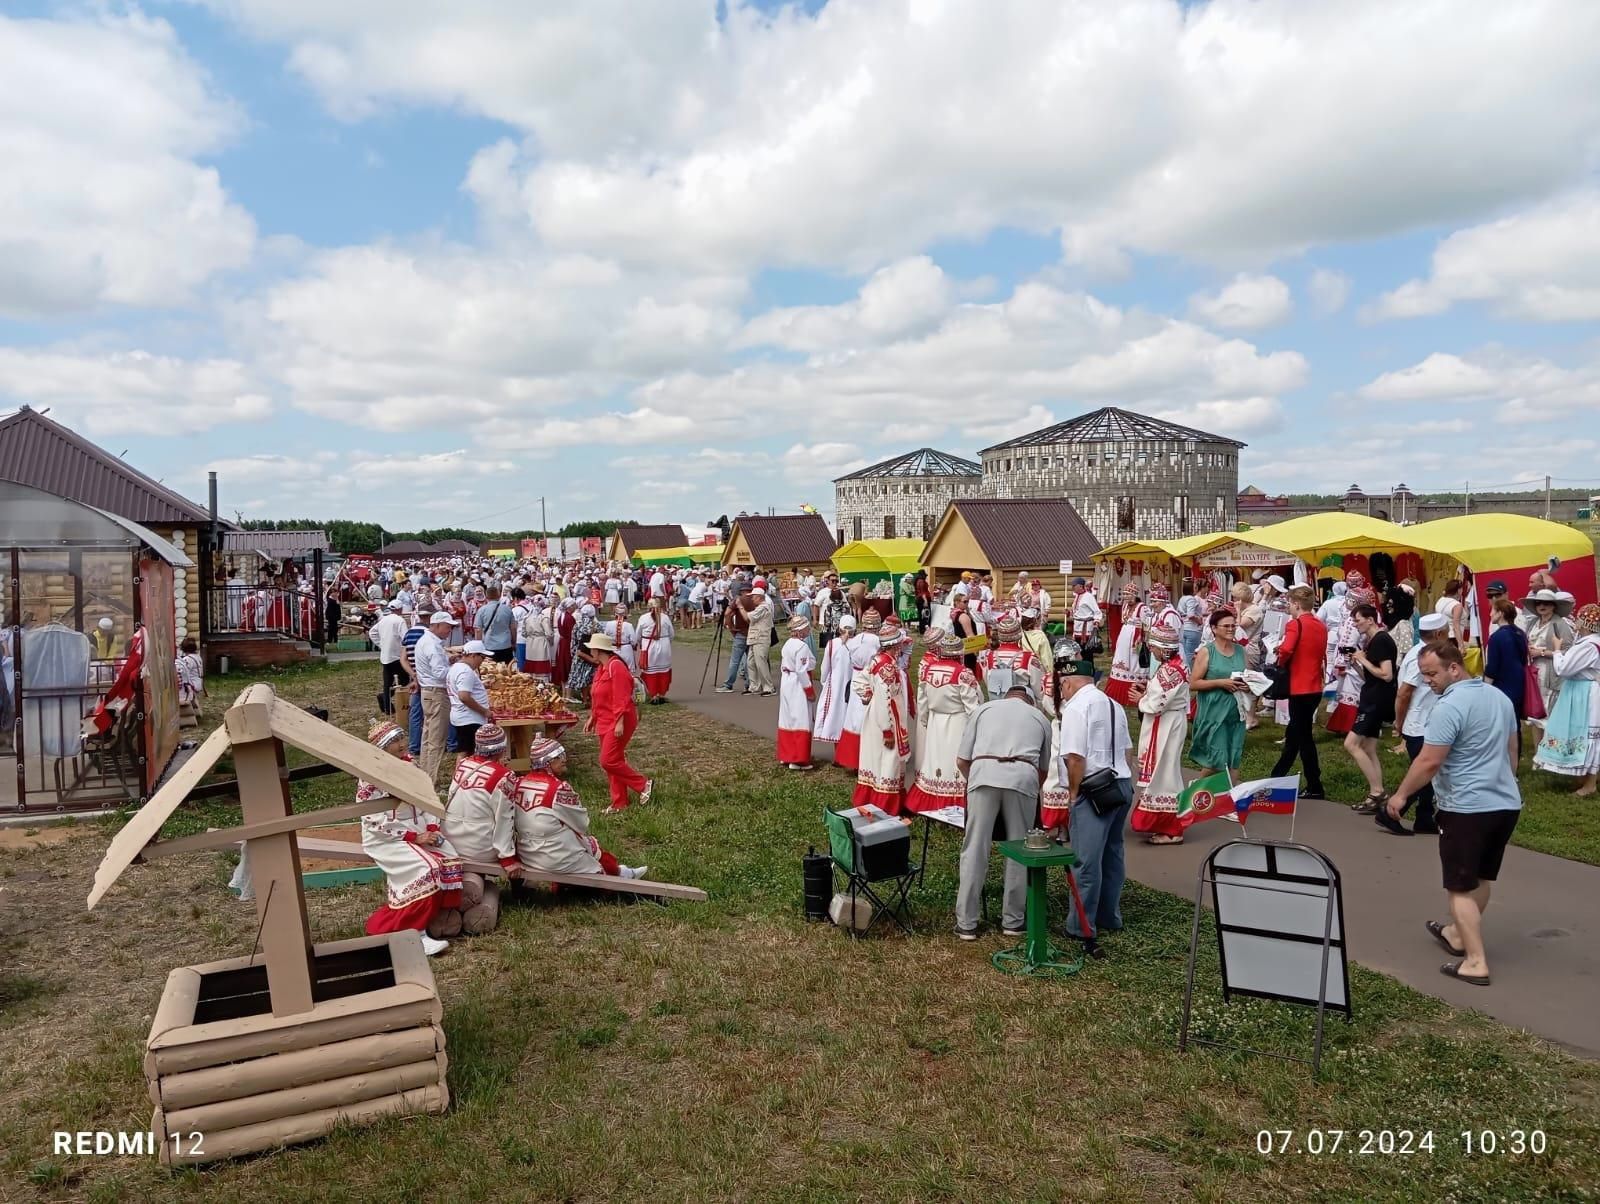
(503, 656)
(466, 735)
(1368, 723)
(1472, 844)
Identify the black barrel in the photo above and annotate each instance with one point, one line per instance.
(817, 869)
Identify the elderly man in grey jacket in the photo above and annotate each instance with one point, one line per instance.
(1005, 757)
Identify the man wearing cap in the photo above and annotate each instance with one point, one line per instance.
(1086, 616)
(614, 717)
(432, 663)
(1094, 736)
(107, 646)
(469, 697)
(387, 635)
(758, 640)
(1414, 702)
(1004, 756)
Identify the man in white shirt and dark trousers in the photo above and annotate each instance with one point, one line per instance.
(388, 634)
(433, 667)
(1005, 757)
(1094, 737)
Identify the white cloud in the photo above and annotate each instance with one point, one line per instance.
(799, 138)
(1329, 290)
(101, 199)
(1246, 303)
(1530, 389)
(1542, 264)
(133, 391)
(814, 462)
(1243, 416)
(902, 299)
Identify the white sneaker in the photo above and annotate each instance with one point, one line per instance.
(432, 947)
(724, 689)
(634, 871)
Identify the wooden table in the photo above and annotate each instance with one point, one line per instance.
(520, 731)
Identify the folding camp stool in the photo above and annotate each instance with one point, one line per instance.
(861, 879)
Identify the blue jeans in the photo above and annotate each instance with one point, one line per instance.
(736, 660)
(522, 658)
(415, 722)
(1188, 644)
(1101, 870)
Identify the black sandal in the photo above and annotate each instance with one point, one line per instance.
(1453, 970)
(1436, 931)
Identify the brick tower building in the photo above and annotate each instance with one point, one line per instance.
(901, 498)
(1129, 475)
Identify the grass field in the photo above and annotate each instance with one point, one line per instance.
(731, 1051)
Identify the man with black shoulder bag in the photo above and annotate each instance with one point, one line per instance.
(1095, 743)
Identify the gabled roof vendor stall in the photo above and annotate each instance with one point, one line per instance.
(88, 688)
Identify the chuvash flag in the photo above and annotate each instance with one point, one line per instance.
(1214, 797)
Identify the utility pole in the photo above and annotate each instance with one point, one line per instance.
(1547, 497)
(1467, 504)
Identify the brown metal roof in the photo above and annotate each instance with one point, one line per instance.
(275, 543)
(641, 538)
(450, 547)
(1023, 533)
(406, 547)
(41, 453)
(776, 540)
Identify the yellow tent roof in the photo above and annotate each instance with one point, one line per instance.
(698, 554)
(1486, 542)
(879, 556)
(1178, 549)
(1313, 536)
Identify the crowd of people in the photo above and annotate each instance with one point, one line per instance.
(1197, 672)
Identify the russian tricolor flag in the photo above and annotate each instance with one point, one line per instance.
(1269, 796)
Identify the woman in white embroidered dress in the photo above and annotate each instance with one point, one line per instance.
(834, 684)
(795, 694)
(422, 870)
(552, 824)
(1163, 728)
(947, 693)
(885, 736)
(655, 653)
(538, 638)
(1126, 671)
(1571, 742)
(863, 649)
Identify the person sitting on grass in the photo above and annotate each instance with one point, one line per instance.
(421, 870)
(552, 824)
(478, 824)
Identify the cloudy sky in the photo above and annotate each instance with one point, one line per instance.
(421, 263)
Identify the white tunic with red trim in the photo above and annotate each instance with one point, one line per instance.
(413, 872)
(947, 693)
(478, 822)
(1164, 727)
(1016, 658)
(552, 826)
(1126, 672)
(847, 750)
(795, 693)
(885, 736)
(832, 686)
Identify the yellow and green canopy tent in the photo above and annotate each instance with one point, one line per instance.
(684, 557)
(874, 560)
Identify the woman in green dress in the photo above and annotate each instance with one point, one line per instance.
(1218, 726)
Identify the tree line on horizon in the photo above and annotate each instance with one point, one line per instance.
(351, 536)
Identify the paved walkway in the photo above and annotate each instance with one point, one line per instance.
(1543, 929)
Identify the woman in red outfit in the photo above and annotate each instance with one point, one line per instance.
(614, 718)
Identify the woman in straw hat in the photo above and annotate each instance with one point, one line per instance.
(1547, 630)
(421, 869)
(1571, 743)
(1163, 704)
(614, 717)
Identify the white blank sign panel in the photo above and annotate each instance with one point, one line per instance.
(1272, 911)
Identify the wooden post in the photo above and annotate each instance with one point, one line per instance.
(274, 860)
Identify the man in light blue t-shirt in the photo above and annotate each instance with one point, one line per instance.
(1469, 752)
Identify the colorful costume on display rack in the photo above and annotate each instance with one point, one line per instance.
(1126, 671)
(885, 737)
(795, 695)
(1570, 744)
(1164, 726)
(1347, 680)
(422, 880)
(947, 693)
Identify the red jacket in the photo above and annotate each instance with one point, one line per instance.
(1304, 650)
(611, 696)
